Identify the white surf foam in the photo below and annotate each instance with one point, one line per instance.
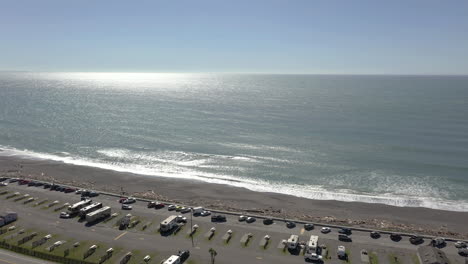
(316, 192)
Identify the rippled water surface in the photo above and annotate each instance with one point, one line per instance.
(400, 140)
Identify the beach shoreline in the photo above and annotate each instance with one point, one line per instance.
(223, 197)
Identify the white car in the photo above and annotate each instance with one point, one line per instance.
(313, 257)
(242, 218)
(325, 230)
(64, 215)
(213, 229)
(460, 244)
(129, 200)
(181, 219)
(205, 213)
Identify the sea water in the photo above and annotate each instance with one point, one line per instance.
(398, 140)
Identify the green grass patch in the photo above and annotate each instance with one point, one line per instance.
(373, 258)
(393, 259)
(415, 259)
(348, 256)
(40, 203)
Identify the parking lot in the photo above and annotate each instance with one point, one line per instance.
(145, 239)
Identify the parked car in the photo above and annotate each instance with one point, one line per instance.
(267, 221)
(250, 219)
(343, 237)
(375, 234)
(345, 231)
(308, 227)
(32, 183)
(290, 224)
(242, 218)
(395, 237)
(69, 190)
(218, 218)
(205, 213)
(438, 242)
(129, 200)
(416, 240)
(171, 207)
(325, 230)
(126, 207)
(185, 210)
(47, 185)
(460, 244)
(64, 215)
(151, 205)
(158, 205)
(463, 252)
(181, 219)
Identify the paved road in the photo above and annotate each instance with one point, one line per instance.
(8, 257)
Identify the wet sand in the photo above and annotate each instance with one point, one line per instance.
(223, 197)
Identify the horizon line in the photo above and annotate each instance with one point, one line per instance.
(245, 73)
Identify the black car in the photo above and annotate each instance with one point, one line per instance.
(32, 183)
(218, 218)
(267, 221)
(184, 255)
(395, 237)
(290, 224)
(343, 237)
(151, 205)
(345, 231)
(47, 185)
(93, 194)
(53, 187)
(416, 240)
(308, 227)
(375, 234)
(39, 183)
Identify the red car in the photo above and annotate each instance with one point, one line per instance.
(121, 200)
(158, 205)
(22, 182)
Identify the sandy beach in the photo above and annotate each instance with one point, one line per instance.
(216, 196)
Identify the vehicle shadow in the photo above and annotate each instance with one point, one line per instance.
(90, 224)
(295, 251)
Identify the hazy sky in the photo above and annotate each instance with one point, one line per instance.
(389, 37)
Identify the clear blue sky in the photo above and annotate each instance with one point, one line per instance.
(377, 37)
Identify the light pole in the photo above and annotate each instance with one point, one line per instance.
(191, 225)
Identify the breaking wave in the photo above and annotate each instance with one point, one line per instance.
(186, 165)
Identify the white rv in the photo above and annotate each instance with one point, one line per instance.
(311, 246)
(292, 241)
(98, 214)
(168, 224)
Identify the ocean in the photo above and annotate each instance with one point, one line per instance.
(397, 140)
